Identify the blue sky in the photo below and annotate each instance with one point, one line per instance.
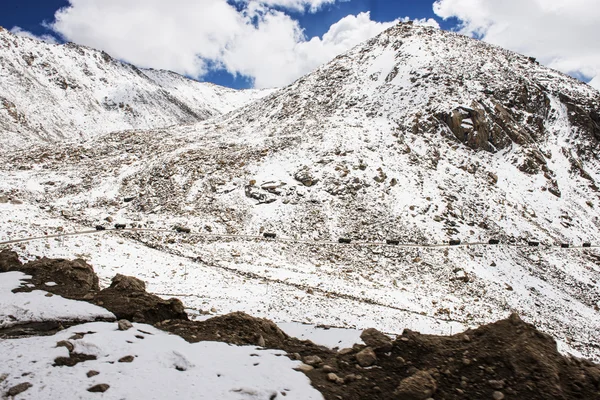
(257, 43)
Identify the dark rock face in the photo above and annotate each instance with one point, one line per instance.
(127, 299)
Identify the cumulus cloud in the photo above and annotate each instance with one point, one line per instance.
(192, 37)
(561, 34)
(44, 38)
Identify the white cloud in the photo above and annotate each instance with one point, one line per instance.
(44, 38)
(297, 5)
(561, 34)
(193, 36)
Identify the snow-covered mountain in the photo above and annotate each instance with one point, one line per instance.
(56, 92)
(418, 135)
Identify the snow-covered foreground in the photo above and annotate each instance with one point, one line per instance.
(39, 306)
(164, 366)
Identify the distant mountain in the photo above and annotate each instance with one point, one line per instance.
(70, 92)
(418, 135)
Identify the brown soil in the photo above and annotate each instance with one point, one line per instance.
(508, 359)
(126, 297)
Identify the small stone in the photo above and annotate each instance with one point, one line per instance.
(304, 368)
(345, 351)
(334, 378)
(496, 384)
(124, 325)
(49, 295)
(466, 338)
(67, 344)
(20, 388)
(100, 388)
(366, 357)
(498, 395)
(352, 378)
(419, 386)
(261, 341)
(126, 359)
(313, 360)
(92, 373)
(296, 356)
(401, 361)
(466, 361)
(329, 368)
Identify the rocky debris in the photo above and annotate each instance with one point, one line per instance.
(92, 373)
(127, 299)
(126, 359)
(366, 357)
(419, 386)
(100, 388)
(306, 177)
(376, 340)
(18, 389)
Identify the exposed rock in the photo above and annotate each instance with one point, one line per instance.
(334, 378)
(305, 177)
(18, 389)
(92, 373)
(100, 388)
(376, 340)
(313, 360)
(126, 359)
(366, 357)
(304, 368)
(419, 386)
(124, 325)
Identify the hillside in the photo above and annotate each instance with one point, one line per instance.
(71, 92)
(418, 135)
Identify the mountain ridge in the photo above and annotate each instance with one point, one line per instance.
(73, 92)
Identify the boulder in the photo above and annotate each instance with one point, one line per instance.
(419, 386)
(366, 357)
(376, 340)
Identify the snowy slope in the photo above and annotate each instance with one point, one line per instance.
(418, 135)
(56, 92)
(163, 366)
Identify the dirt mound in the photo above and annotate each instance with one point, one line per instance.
(127, 299)
(506, 359)
(235, 328)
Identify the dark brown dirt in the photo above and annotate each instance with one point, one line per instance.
(508, 359)
(74, 279)
(127, 299)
